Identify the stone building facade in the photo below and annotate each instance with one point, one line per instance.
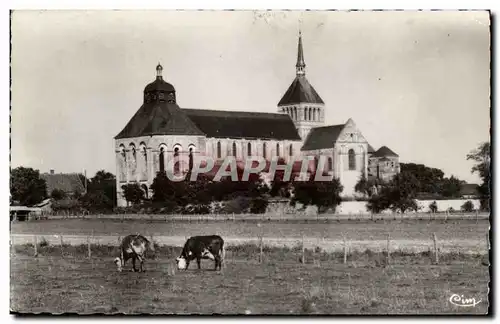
(161, 132)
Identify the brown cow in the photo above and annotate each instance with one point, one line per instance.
(133, 247)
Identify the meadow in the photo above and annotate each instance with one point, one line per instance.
(63, 280)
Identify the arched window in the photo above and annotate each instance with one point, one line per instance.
(294, 113)
(144, 154)
(133, 163)
(234, 149)
(310, 113)
(305, 113)
(176, 162)
(145, 189)
(314, 114)
(123, 163)
(219, 150)
(277, 149)
(352, 160)
(330, 164)
(264, 150)
(290, 150)
(162, 159)
(191, 152)
(249, 149)
(134, 153)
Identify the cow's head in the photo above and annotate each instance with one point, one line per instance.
(118, 263)
(181, 263)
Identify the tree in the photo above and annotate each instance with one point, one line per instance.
(468, 206)
(451, 187)
(398, 194)
(433, 207)
(482, 158)
(366, 186)
(428, 178)
(96, 201)
(26, 186)
(57, 194)
(168, 193)
(104, 183)
(323, 194)
(77, 194)
(133, 193)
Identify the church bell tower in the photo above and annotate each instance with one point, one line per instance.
(301, 101)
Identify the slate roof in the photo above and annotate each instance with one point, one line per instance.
(67, 182)
(300, 91)
(371, 149)
(239, 124)
(159, 118)
(322, 137)
(385, 151)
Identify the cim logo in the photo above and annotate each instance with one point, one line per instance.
(459, 300)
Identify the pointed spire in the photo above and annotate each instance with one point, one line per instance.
(301, 65)
(159, 69)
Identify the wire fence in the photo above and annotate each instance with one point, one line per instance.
(99, 251)
(283, 217)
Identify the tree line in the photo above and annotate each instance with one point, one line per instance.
(415, 181)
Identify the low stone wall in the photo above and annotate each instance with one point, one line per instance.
(359, 207)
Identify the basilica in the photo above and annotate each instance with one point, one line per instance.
(161, 131)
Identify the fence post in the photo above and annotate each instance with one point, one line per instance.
(436, 253)
(487, 242)
(388, 249)
(261, 255)
(317, 254)
(345, 248)
(303, 251)
(89, 251)
(477, 216)
(62, 243)
(36, 246)
(372, 216)
(446, 216)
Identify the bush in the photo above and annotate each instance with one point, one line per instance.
(258, 205)
(468, 206)
(238, 205)
(57, 194)
(377, 203)
(433, 207)
(198, 209)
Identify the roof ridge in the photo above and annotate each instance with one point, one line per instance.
(328, 126)
(236, 111)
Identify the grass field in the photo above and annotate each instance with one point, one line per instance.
(281, 285)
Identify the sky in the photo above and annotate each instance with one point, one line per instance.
(417, 82)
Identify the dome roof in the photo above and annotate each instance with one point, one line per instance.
(159, 84)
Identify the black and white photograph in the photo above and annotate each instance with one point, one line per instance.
(250, 162)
